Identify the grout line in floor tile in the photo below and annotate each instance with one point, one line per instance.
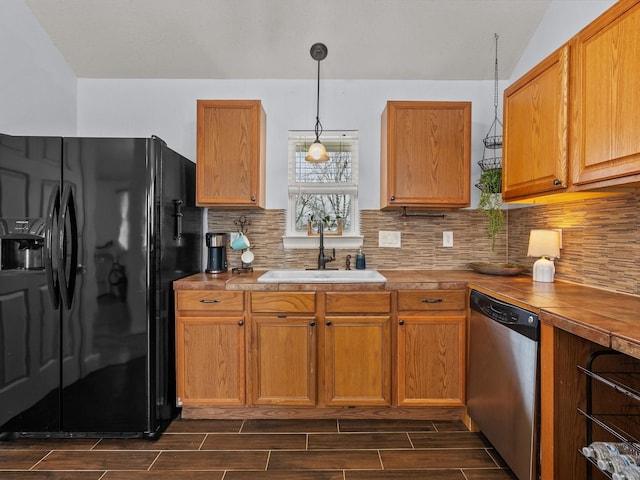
(410, 441)
(266, 466)
(154, 460)
(492, 456)
(40, 461)
(206, 435)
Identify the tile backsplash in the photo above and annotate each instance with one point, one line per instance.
(601, 240)
(421, 240)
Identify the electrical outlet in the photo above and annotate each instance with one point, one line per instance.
(447, 239)
(389, 239)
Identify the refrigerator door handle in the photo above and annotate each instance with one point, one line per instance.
(68, 259)
(50, 272)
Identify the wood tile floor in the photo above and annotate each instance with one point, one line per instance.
(265, 450)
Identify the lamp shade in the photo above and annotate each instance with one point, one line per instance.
(317, 153)
(544, 243)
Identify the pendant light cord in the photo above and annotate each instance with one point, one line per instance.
(318, 124)
(495, 93)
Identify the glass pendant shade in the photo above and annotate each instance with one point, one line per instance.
(317, 153)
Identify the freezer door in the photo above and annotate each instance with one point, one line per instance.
(30, 324)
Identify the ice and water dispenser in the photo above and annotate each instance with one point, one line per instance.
(22, 243)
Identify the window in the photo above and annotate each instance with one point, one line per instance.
(323, 191)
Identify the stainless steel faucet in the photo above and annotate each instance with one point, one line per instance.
(322, 259)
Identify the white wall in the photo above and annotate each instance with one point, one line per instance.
(562, 20)
(167, 108)
(39, 95)
(37, 87)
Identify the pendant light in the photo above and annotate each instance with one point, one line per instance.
(317, 153)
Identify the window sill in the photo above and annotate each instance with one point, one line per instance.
(305, 242)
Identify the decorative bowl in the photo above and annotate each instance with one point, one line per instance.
(491, 268)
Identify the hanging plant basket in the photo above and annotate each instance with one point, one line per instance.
(490, 203)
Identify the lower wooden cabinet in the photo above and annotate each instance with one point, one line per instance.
(357, 360)
(296, 351)
(430, 368)
(356, 349)
(283, 365)
(210, 348)
(321, 349)
(283, 348)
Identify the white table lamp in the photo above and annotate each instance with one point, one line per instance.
(546, 245)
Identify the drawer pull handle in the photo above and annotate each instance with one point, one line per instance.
(432, 300)
(204, 300)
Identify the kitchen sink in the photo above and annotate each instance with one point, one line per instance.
(321, 276)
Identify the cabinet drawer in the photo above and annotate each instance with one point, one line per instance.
(431, 300)
(283, 302)
(214, 300)
(354, 302)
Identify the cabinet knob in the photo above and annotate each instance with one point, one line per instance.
(401, 322)
(328, 323)
(253, 198)
(312, 323)
(241, 322)
(557, 182)
(393, 197)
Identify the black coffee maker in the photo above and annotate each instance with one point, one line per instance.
(217, 252)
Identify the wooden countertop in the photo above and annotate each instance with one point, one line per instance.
(607, 318)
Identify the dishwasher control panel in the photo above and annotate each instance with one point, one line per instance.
(517, 318)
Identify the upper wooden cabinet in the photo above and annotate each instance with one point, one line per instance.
(231, 141)
(571, 124)
(425, 155)
(606, 98)
(535, 130)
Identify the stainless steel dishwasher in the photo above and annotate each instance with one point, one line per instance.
(503, 380)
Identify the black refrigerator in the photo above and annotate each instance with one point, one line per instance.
(93, 231)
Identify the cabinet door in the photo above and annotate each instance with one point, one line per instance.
(283, 362)
(431, 360)
(535, 134)
(210, 360)
(357, 360)
(426, 154)
(230, 167)
(606, 98)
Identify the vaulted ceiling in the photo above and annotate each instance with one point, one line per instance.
(270, 39)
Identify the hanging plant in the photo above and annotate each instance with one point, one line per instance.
(490, 204)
